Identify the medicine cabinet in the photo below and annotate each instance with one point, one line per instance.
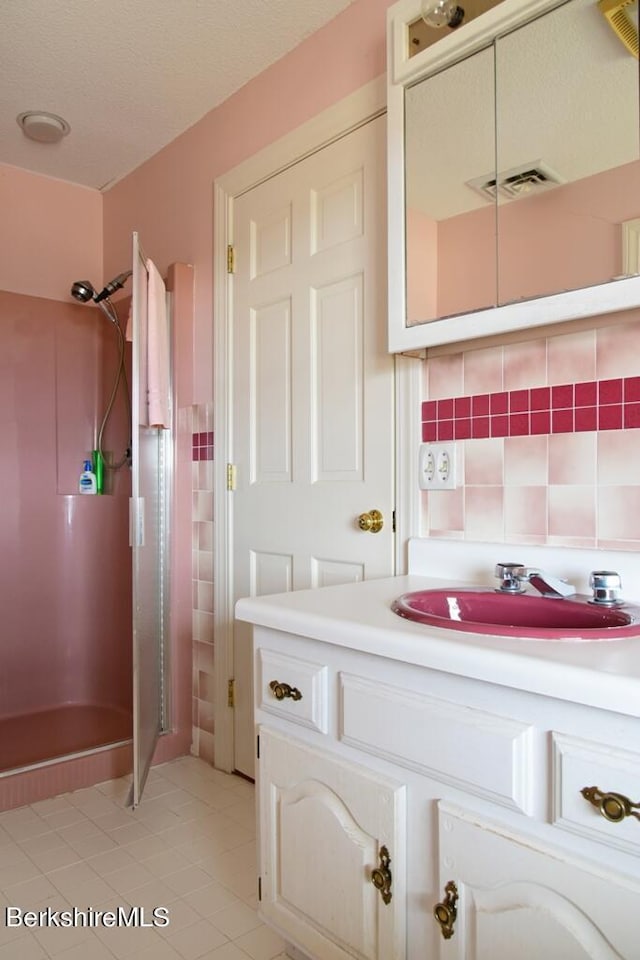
(514, 171)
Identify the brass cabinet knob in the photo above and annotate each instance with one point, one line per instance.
(613, 806)
(445, 912)
(283, 690)
(381, 876)
(371, 522)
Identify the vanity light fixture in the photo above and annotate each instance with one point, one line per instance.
(442, 13)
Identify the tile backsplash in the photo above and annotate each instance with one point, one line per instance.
(202, 522)
(547, 441)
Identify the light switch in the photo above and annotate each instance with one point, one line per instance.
(437, 466)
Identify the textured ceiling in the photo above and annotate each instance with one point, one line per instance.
(131, 75)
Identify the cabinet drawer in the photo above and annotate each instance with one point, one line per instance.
(582, 763)
(292, 688)
(487, 755)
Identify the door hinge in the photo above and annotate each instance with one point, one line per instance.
(231, 259)
(259, 888)
(231, 476)
(231, 693)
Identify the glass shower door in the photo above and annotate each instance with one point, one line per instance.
(149, 536)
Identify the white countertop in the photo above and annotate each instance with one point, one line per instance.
(358, 616)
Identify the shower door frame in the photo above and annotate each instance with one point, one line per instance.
(151, 707)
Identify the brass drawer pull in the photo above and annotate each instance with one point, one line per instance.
(381, 876)
(445, 912)
(613, 806)
(283, 690)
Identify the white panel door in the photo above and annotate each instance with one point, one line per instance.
(313, 385)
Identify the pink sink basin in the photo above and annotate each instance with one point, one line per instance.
(521, 615)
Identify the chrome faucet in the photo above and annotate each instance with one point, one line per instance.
(515, 575)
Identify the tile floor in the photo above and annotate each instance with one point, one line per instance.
(190, 847)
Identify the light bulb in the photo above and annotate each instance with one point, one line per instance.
(442, 13)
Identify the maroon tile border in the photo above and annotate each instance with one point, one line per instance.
(202, 446)
(564, 408)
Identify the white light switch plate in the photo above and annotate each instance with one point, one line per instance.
(437, 466)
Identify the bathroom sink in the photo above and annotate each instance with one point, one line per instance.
(487, 611)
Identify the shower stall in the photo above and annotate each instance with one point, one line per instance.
(83, 579)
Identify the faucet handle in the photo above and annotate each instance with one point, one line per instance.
(606, 586)
(507, 573)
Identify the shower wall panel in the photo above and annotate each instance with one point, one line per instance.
(65, 583)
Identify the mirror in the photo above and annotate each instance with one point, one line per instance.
(567, 120)
(520, 175)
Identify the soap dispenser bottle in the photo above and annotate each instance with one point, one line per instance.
(87, 482)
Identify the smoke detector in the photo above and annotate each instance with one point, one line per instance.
(43, 127)
(522, 181)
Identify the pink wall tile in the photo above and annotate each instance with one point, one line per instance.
(618, 458)
(484, 462)
(572, 357)
(445, 509)
(483, 513)
(551, 436)
(572, 459)
(445, 376)
(525, 364)
(618, 348)
(525, 512)
(572, 511)
(525, 461)
(483, 370)
(619, 513)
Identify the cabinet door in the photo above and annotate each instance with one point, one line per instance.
(323, 826)
(518, 898)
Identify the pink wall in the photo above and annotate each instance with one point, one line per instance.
(51, 234)
(169, 199)
(66, 625)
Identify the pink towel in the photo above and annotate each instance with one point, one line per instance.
(158, 354)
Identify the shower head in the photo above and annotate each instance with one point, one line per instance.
(116, 284)
(83, 291)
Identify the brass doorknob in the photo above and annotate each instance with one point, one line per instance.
(371, 522)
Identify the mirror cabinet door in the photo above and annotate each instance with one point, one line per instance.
(567, 153)
(450, 223)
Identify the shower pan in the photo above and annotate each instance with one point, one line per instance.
(83, 655)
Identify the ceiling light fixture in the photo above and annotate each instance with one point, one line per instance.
(43, 127)
(442, 13)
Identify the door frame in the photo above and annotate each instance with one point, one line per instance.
(364, 105)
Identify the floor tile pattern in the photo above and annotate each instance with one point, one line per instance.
(189, 847)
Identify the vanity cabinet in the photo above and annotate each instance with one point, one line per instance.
(330, 829)
(389, 790)
(518, 897)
